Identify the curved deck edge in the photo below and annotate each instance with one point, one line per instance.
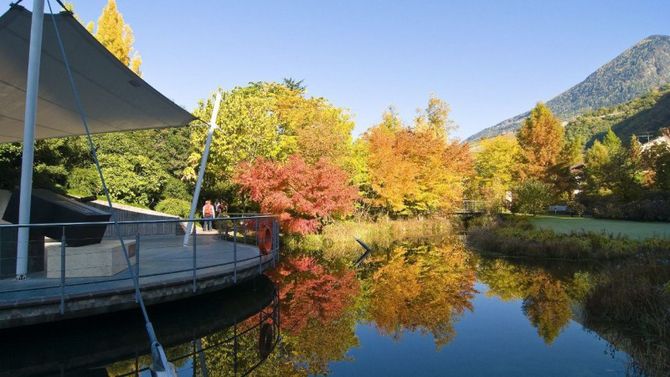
(31, 312)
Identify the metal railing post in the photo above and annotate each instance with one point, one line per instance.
(62, 271)
(137, 260)
(244, 232)
(277, 239)
(195, 242)
(137, 254)
(234, 252)
(260, 255)
(274, 243)
(257, 227)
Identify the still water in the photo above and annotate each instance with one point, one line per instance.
(407, 311)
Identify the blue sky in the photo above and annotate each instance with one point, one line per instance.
(488, 59)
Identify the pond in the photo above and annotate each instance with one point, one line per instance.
(419, 310)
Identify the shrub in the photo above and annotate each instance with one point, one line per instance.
(576, 208)
(653, 207)
(175, 189)
(84, 181)
(133, 179)
(515, 240)
(50, 177)
(531, 197)
(174, 206)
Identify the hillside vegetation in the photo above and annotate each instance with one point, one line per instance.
(637, 70)
(644, 115)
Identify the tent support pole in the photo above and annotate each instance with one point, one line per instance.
(203, 165)
(32, 88)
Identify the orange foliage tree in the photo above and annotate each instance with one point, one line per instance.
(303, 195)
(416, 170)
(541, 141)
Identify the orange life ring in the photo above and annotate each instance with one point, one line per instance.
(264, 239)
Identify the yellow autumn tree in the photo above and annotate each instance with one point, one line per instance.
(117, 36)
(495, 166)
(319, 129)
(541, 141)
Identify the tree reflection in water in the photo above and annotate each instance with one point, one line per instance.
(547, 306)
(546, 299)
(318, 312)
(625, 303)
(427, 289)
(424, 289)
(417, 289)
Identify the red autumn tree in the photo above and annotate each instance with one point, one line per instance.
(302, 195)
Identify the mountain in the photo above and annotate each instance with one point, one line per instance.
(643, 116)
(637, 70)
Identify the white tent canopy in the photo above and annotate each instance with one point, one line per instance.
(114, 98)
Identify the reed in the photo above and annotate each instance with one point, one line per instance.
(337, 241)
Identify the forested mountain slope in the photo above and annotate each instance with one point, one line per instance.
(637, 70)
(643, 116)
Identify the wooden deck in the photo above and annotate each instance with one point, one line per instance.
(167, 272)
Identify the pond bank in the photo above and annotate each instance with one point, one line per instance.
(631, 229)
(515, 236)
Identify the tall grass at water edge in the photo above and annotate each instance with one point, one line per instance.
(337, 241)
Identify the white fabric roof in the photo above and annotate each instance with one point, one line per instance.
(114, 98)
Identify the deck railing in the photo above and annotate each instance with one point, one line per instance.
(67, 265)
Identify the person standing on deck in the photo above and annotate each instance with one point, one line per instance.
(207, 215)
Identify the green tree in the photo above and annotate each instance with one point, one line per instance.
(656, 162)
(272, 121)
(573, 151)
(532, 197)
(612, 169)
(293, 84)
(132, 179)
(54, 159)
(597, 162)
(612, 142)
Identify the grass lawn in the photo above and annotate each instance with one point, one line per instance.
(632, 229)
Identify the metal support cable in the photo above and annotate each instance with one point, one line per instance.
(158, 355)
